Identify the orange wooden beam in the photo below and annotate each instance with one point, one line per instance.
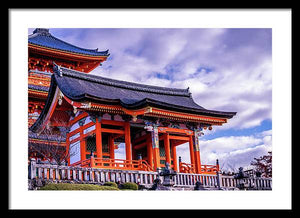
(113, 122)
(161, 112)
(117, 131)
(174, 130)
(182, 138)
(143, 137)
(139, 146)
(176, 143)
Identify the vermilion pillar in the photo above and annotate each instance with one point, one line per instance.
(197, 151)
(191, 148)
(173, 149)
(98, 138)
(111, 147)
(82, 144)
(67, 148)
(149, 152)
(167, 148)
(128, 141)
(155, 147)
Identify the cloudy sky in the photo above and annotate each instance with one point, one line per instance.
(225, 69)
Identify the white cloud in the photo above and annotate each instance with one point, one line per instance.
(226, 69)
(233, 152)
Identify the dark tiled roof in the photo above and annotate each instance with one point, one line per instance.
(85, 87)
(42, 37)
(39, 88)
(56, 138)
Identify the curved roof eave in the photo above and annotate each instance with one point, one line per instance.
(42, 37)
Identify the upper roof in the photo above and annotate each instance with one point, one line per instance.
(82, 87)
(42, 37)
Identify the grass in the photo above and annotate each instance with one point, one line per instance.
(67, 186)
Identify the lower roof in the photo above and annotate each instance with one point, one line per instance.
(87, 88)
(82, 87)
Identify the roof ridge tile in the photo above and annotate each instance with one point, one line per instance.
(62, 71)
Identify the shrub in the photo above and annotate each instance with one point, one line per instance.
(112, 184)
(67, 186)
(129, 185)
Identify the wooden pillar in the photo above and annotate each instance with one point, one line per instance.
(192, 158)
(197, 151)
(128, 141)
(167, 148)
(68, 148)
(173, 147)
(98, 138)
(111, 147)
(197, 162)
(149, 152)
(82, 144)
(155, 148)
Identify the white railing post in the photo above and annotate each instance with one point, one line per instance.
(74, 176)
(40, 172)
(97, 177)
(51, 173)
(62, 174)
(32, 168)
(85, 175)
(68, 174)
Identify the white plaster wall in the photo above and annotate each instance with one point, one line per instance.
(74, 152)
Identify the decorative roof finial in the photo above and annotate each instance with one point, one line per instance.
(57, 69)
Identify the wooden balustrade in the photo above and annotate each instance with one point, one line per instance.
(191, 168)
(88, 174)
(209, 169)
(187, 168)
(101, 175)
(119, 164)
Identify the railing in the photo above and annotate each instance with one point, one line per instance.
(249, 183)
(205, 169)
(186, 168)
(114, 164)
(48, 172)
(187, 180)
(209, 169)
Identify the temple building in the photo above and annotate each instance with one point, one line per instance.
(43, 50)
(100, 113)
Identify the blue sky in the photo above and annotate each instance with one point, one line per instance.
(225, 69)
